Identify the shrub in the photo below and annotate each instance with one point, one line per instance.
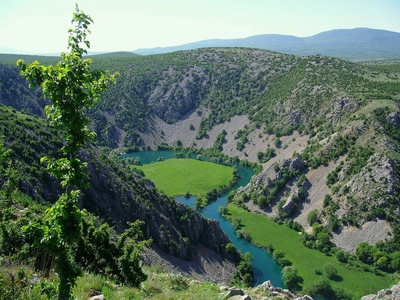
(237, 223)
(223, 210)
(317, 271)
(312, 217)
(323, 238)
(327, 200)
(244, 271)
(341, 256)
(365, 252)
(179, 283)
(230, 248)
(330, 270)
(277, 142)
(291, 278)
(262, 201)
(244, 234)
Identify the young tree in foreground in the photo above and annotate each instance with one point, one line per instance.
(72, 87)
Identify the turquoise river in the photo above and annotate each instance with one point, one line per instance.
(264, 266)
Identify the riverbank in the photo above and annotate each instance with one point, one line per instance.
(265, 232)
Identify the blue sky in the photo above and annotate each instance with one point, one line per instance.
(40, 26)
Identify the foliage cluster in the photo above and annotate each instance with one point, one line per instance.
(98, 249)
(244, 271)
(268, 194)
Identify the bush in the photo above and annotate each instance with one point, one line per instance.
(277, 142)
(341, 256)
(330, 270)
(280, 258)
(237, 223)
(244, 271)
(230, 248)
(365, 252)
(262, 201)
(223, 210)
(323, 288)
(291, 278)
(317, 271)
(323, 238)
(327, 200)
(312, 217)
(244, 234)
(179, 283)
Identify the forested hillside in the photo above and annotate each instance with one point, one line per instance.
(116, 195)
(325, 132)
(186, 96)
(282, 92)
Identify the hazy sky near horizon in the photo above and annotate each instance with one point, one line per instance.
(40, 26)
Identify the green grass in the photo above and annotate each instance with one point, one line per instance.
(159, 285)
(266, 232)
(374, 104)
(178, 176)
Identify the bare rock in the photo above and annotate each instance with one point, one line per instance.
(244, 297)
(230, 293)
(394, 119)
(297, 164)
(265, 285)
(98, 297)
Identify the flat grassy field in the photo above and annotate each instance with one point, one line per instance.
(266, 232)
(176, 177)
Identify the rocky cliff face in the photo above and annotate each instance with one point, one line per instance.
(116, 194)
(14, 91)
(373, 187)
(174, 227)
(171, 102)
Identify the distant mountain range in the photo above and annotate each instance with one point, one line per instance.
(359, 44)
(351, 44)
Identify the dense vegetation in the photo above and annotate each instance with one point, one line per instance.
(26, 189)
(281, 92)
(347, 111)
(286, 247)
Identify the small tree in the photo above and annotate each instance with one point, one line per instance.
(262, 201)
(72, 87)
(4, 154)
(8, 174)
(230, 248)
(291, 278)
(365, 252)
(323, 238)
(244, 271)
(330, 270)
(312, 216)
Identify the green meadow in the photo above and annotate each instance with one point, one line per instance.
(179, 176)
(176, 177)
(266, 232)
